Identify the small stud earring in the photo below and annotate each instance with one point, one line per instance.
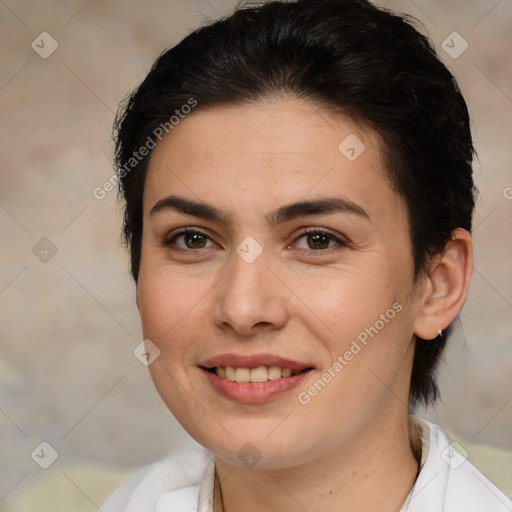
(439, 333)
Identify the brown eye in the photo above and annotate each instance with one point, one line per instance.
(188, 239)
(194, 240)
(318, 241)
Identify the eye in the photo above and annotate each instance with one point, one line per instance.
(319, 240)
(191, 239)
(316, 240)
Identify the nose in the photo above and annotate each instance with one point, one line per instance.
(251, 299)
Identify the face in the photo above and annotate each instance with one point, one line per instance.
(276, 281)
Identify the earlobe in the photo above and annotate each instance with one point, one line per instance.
(447, 286)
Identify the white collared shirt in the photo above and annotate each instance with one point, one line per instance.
(185, 482)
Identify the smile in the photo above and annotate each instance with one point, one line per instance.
(259, 374)
(254, 379)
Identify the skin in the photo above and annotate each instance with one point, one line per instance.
(348, 448)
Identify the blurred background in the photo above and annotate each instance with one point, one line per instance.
(69, 323)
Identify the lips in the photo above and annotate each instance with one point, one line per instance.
(253, 379)
(254, 361)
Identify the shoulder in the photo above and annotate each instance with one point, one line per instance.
(452, 479)
(179, 474)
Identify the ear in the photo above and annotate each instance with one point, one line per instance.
(446, 286)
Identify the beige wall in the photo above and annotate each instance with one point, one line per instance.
(69, 325)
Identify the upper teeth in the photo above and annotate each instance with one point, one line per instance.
(259, 374)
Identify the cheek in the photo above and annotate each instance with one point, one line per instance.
(344, 302)
(169, 305)
(361, 317)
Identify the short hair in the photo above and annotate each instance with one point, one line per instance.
(346, 56)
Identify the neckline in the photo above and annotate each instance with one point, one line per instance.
(418, 439)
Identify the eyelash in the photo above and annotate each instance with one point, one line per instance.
(167, 242)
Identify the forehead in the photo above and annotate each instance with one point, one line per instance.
(272, 151)
(283, 126)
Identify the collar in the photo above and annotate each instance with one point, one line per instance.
(210, 497)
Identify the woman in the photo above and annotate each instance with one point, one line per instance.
(299, 196)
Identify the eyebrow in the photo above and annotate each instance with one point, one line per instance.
(322, 206)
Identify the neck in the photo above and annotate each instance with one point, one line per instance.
(374, 471)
